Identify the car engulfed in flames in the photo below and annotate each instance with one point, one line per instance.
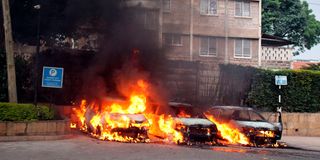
(191, 127)
(133, 118)
(115, 119)
(196, 130)
(242, 125)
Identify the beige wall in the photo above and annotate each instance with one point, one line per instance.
(299, 124)
(180, 52)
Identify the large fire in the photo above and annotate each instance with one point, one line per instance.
(112, 119)
(228, 132)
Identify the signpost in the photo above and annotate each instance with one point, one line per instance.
(52, 77)
(281, 81)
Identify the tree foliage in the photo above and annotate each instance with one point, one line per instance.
(291, 19)
(59, 18)
(23, 78)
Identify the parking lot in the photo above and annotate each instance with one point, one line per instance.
(82, 147)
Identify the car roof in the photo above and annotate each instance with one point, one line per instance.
(231, 107)
(179, 104)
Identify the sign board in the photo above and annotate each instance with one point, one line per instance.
(281, 80)
(52, 77)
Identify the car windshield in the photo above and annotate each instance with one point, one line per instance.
(246, 115)
(237, 114)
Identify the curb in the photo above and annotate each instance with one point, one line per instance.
(35, 138)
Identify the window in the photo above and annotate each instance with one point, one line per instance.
(173, 39)
(150, 21)
(240, 115)
(243, 8)
(208, 7)
(242, 48)
(208, 46)
(254, 116)
(166, 4)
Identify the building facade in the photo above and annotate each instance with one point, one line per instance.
(200, 35)
(212, 31)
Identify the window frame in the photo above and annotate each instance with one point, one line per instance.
(208, 49)
(172, 40)
(208, 8)
(242, 4)
(149, 20)
(163, 6)
(242, 48)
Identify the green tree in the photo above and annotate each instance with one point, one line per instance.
(291, 19)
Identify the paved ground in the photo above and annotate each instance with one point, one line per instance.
(306, 143)
(85, 148)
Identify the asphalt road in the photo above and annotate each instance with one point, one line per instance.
(86, 148)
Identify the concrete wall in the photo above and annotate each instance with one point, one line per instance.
(36, 128)
(299, 124)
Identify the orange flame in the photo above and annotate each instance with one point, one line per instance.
(183, 114)
(73, 125)
(229, 133)
(167, 125)
(115, 115)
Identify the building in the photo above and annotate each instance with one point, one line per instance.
(219, 31)
(201, 35)
(301, 64)
(277, 53)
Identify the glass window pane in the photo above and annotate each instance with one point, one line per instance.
(150, 22)
(238, 8)
(167, 39)
(166, 5)
(246, 48)
(246, 8)
(238, 48)
(213, 7)
(204, 7)
(255, 116)
(241, 115)
(177, 39)
(204, 46)
(212, 46)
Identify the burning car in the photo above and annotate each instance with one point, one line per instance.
(114, 119)
(130, 126)
(192, 126)
(244, 125)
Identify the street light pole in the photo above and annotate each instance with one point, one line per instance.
(11, 71)
(36, 75)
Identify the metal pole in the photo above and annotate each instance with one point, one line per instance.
(226, 32)
(11, 71)
(37, 7)
(191, 30)
(260, 34)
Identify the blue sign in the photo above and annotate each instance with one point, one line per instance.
(52, 77)
(281, 80)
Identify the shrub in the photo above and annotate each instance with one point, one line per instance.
(302, 94)
(24, 112)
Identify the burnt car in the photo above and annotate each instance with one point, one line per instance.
(133, 126)
(193, 125)
(259, 131)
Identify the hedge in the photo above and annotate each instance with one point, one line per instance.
(302, 94)
(24, 112)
